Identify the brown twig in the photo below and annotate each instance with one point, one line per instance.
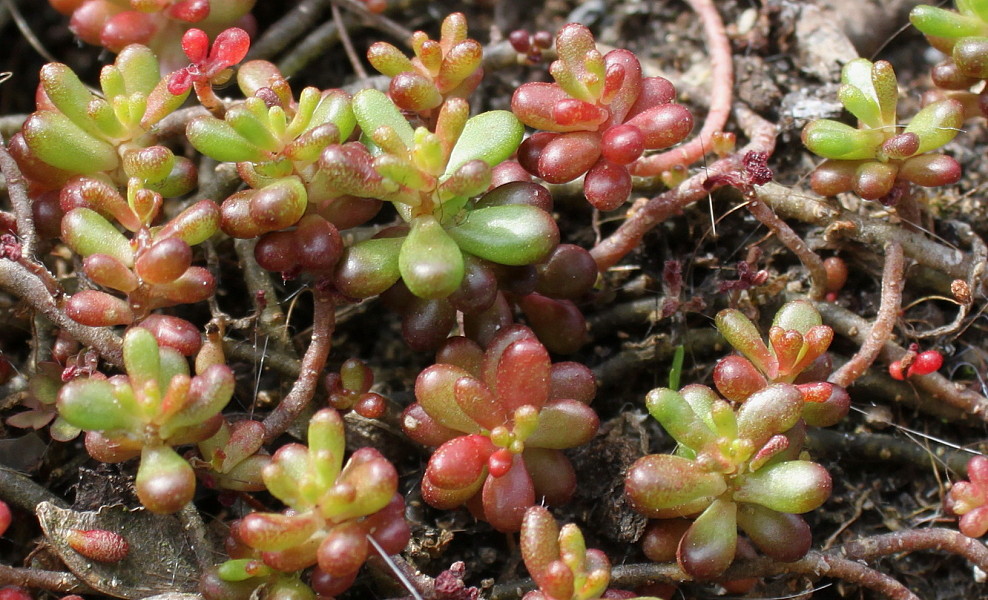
(351, 52)
(893, 280)
(287, 29)
(17, 191)
(292, 405)
(647, 213)
(794, 242)
(914, 540)
(721, 96)
(55, 581)
(19, 281)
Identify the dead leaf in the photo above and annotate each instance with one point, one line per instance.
(160, 561)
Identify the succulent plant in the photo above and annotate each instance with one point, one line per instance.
(333, 510)
(77, 132)
(733, 468)
(115, 24)
(598, 118)
(963, 37)
(559, 561)
(879, 154)
(156, 406)
(798, 342)
(350, 389)
(430, 178)
(232, 459)
(443, 69)
(969, 499)
(499, 419)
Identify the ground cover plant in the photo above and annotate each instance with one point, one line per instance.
(561, 300)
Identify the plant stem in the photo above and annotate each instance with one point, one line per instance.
(19, 281)
(796, 244)
(287, 29)
(55, 581)
(914, 540)
(17, 191)
(292, 405)
(721, 96)
(893, 280)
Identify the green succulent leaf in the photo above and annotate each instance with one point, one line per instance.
(936, 124)
(796, 486)
(492, 137)
(91, 404)
(87, 232)
(940, 22)
(661, 481)
(799, 315)
(430, 261)
(509, 235)
(373, 109)
(671, 409)
(56, 140)
(219, 140)
(141, 357)
(833, 139)
(369, 267)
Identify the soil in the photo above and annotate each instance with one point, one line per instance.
(891, 459)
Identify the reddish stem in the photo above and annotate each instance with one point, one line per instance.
(791, 240)
(647, 213)
(314, 361)
(893, 280)
(721, 96)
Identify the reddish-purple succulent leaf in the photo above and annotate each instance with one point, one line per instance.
(344, 550)
(572, 380)
(479, 403)
(458, 463)
(435, 392)
(568, 156)
(736, 378)
(708, 546)
(506, 498)
(552, 474)
(564, 424)
(769, 411)
(660, 481)
(422, 428)
(538, 540)
(741, 333)
(784, 537)
(523, 375)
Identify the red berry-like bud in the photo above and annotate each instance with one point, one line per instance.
(13, 592)
(623, 144)
(500, 462)
(98, 544)
(926, 363)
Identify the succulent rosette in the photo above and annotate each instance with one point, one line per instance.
(334, 508)
(963, 36)
(598, 118)
(450, 67)
(499, 420)
(879, 153)
(733, 468)
(431, 178)
(77, 132)
(969, 499)
(796, 353)
(156, 406)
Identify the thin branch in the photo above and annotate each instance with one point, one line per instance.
(842, 224)
(379, 21)
(292, 405)
(19, 281)
(287, 29)
(647, 213)
(24, 493)
(893, 280)
(351, 52)
(794, 242)
(17, 190)
(721, 96)
(54, 581)
(914, 540)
